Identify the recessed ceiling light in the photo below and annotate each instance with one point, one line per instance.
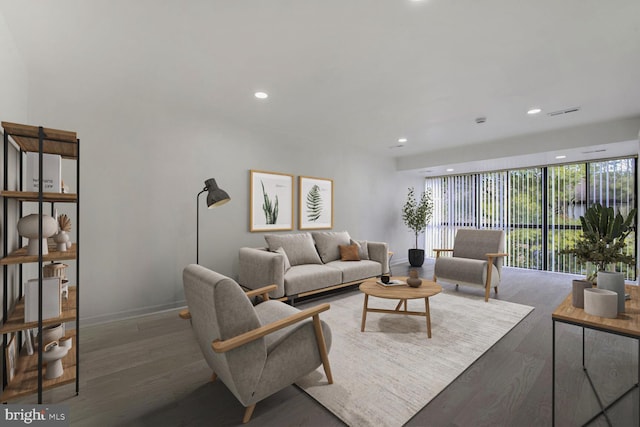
(533, 111)
(402, 140)
(561, 157)
(450, 170)
(261, 95)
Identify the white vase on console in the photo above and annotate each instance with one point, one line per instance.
(28, 227)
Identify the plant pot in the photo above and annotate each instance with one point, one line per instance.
(416, 257)
(601, 302)
(613, 281)
(578, 292)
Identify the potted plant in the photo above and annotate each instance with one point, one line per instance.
(416, 215)
(603, 239)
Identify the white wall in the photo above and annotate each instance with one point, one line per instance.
(13, 79)
(141, 168)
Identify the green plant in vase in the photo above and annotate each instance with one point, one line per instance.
(602, 241)
(416, 215)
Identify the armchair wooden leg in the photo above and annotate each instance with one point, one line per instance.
(214, 377)
(322, 347)
(248, 413)
(487, 289)
(495, 289)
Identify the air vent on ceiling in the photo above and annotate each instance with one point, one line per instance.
(565, 111)
(396, 146)
(601, 150)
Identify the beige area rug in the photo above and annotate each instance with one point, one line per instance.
(385, 375)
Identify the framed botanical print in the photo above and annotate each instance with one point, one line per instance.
(271, 203)
(315, 196)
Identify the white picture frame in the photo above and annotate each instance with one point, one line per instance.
(315, 198)
(271, 201)
(51, 299)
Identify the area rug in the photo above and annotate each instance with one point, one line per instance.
(385, 375)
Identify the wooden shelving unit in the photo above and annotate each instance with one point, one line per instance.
(26, 377)
(20, 256)
(29, 370)
(15, 322)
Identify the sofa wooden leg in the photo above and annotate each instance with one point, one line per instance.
(495, 288)
(214, 377)
(248, 413)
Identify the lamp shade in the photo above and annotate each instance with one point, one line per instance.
(216, 196)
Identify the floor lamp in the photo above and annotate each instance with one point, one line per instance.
(216, 197)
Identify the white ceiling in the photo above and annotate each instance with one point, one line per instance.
(358, 72)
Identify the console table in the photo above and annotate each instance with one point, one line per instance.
(627, 324)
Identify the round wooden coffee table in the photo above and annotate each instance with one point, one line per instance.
(402, 293)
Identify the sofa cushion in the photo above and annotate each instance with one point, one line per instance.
(309, 277)
(465, 271)
(363, 248)
(298, 247)
(328, 243)
(287, 264)
(349, 253)
(352, 271)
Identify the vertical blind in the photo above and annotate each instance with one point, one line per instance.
(538, 208)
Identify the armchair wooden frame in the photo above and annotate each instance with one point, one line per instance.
(220, 346)
(490, 258)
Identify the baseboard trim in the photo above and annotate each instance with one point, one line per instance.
(130, 314)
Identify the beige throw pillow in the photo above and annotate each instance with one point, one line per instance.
(298, 247)
(327, 243)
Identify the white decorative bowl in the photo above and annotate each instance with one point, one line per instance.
(28, 227)
(601, 302)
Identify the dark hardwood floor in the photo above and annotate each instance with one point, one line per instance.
(149, 371)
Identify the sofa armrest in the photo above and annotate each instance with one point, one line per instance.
(379, 251)
(259, 267)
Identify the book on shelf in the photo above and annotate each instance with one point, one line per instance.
(51, 171)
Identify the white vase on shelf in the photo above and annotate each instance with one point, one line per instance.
(28, 227)
(61, 239)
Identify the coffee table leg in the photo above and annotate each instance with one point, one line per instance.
(364, 312)
(428, 316)
(400, 305)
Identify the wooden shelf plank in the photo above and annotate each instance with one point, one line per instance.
(25, 381)
(20, 256)
(32, 196)
(15, 320)
(62, 142)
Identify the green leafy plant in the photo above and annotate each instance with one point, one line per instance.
(314, 204)
(417, 214)
(270, 209)
(603, 238)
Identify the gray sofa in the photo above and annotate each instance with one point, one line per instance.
(302, 264)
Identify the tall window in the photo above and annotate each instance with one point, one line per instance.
(538, 208)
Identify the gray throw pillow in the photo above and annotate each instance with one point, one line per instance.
(363, 248)
(287, 264)
(329, 242)
(298, 247)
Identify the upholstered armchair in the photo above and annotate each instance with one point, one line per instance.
(476, 260)
(254, 350)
